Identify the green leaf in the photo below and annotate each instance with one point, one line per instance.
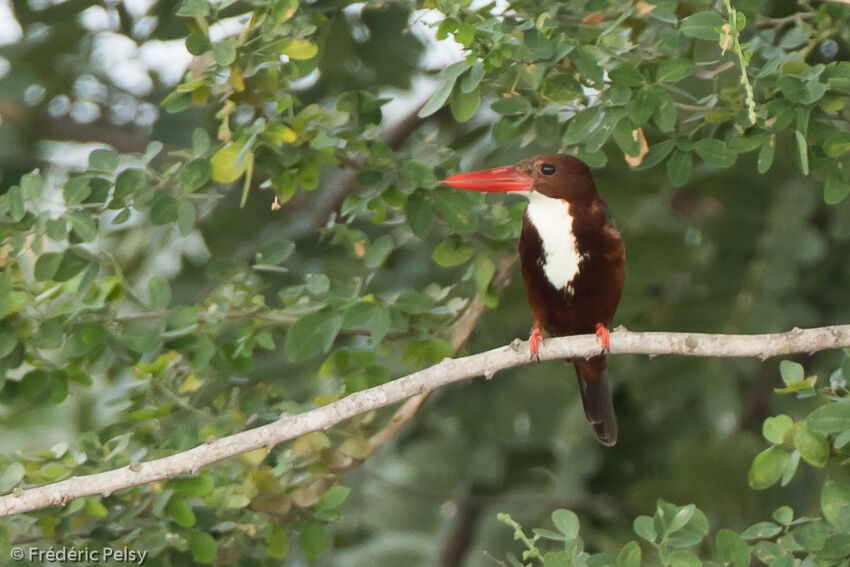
(681, 518)
(160, 292)
(630, 555)
(277, 542)
(74, 261)
(11, 475)
(420, 214)
(76, 190)
(472, 78)
(674, 70)
(484, 271)
(317, 284)
(761, 530)
(626, 75)
(284, 10)
(275, 252)
(203, 547)
(194, 9)
(683, 558)
(511, 105)
(585, 58)
(164, 210)
(46, 266)
(538, 43)
(103, 161)
(834, 497)
(644, 526)
(666, 114)
(835, 189)
(566, 522)
(837, 546)
(657, 152)
(224, 52)
(301, 50)
(767, 468)
(784, 515)
(800, 91)
(679, 168)
(95, 507)
(457, 208)
(803, 149)
(765, 159)
(312, 335)
(17, 208)
(829, 419)
(140, 336)
(451, 253)
(378, 251)
(83, 225)
(313, 540)
(333, 497)
(185, 217)
(463, 105)
(714, 152)
(775, 428)
(702, 25)
(447, 78)
(812, 536)
(558, 87)
(128, 182)
(226, 165)
(197, 43)
(194, 174)
(791, 372)
(837, 144)
(556, 559)
(192, 486)
(732, 549)
(200, 142)
(181, 513)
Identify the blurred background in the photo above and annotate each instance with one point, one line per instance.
(729, 250)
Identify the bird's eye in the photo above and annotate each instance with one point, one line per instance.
(547, 169)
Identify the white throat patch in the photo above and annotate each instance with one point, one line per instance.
(552, 219)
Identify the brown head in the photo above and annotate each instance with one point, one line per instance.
(559, 176)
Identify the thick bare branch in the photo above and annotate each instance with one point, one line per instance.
(450, 370)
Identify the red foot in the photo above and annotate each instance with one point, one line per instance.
(604, 336)
(534, 343)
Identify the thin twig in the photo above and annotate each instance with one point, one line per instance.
(446, 372)
(779, 23)
(736, 46)
(460, 333)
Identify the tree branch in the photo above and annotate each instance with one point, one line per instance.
(460, 333)
(446, 372)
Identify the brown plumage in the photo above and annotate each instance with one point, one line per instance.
(572, 263)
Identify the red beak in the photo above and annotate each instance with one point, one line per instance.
(496, 180)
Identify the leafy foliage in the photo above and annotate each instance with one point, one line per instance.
(266, 234)
(675, 533)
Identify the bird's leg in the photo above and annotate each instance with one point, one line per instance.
(534, 343)
(604, 336)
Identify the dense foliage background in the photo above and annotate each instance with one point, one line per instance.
(153, 292)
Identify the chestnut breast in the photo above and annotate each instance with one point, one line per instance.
(572, 264)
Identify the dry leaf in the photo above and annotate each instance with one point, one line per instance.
(727, 39)
(594, 18)
(642, 9)
(635, 160)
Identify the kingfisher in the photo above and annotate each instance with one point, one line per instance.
(572, 261)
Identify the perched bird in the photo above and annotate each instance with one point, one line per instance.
(572, 263)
